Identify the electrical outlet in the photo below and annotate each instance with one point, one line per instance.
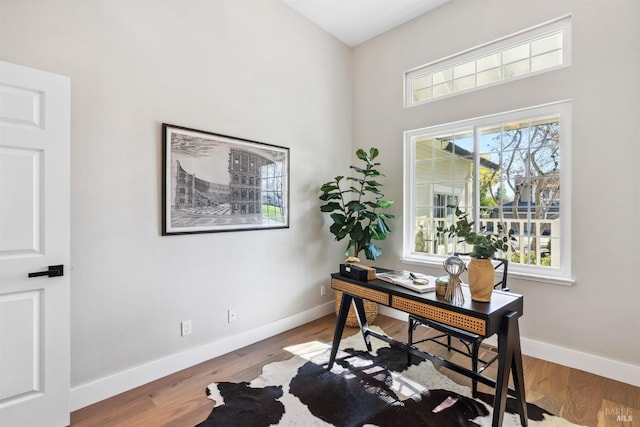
(232, 315)
(323, 290)
(185, 328)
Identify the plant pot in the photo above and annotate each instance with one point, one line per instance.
(370, 311)
(481, 278)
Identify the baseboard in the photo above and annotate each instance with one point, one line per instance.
(103, 388)
(608, 368)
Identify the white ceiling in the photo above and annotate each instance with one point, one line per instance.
(356, 21)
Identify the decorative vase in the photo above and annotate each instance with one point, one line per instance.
(455, 267)
(481, 278)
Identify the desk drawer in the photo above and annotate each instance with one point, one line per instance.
(360, 291)
(457, 320)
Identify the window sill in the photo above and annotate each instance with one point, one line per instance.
(533, 277)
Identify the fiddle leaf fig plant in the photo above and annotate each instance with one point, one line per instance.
(485, 245)
(357, 207)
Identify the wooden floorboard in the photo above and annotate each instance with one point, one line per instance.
(179, 399)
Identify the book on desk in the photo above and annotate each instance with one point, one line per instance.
(414, 281)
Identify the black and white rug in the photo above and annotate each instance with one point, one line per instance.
(362, 389)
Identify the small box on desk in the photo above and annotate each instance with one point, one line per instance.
(358, 272)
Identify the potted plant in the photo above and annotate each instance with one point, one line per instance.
(357, 207)
(485, 245)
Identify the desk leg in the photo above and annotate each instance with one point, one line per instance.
(362, 319)
(509, 360)
(345, 303)
(518, 375)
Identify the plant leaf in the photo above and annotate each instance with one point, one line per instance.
(330, 207)
(357, 233)
(385, 204)
(338, 218)
(329, 186)
(329, 196)
(339, 230)
(355, 206)
(372, 252)
(382, 225)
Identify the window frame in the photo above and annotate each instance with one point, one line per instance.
(559, 25)
(563, 109)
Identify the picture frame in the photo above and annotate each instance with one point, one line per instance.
(217, 183)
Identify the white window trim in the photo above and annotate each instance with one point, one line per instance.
(562, 24)
(561, 275)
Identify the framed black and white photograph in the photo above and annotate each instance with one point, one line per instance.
(213, 183)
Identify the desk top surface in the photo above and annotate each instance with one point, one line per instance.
(500, 301)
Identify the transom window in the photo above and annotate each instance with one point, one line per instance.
(506, 169)
(542, 48)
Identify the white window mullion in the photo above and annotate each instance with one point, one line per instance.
(476, 178)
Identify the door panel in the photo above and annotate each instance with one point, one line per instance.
(20, 105)
(20, 171)
(34, 234)
(21, 338)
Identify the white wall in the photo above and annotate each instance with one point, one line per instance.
(246, 68)
(598, 316)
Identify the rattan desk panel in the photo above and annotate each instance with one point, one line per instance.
(360, 291)
(441, 315)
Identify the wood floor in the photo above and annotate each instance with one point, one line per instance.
(179, 399)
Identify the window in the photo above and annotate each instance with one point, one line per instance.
(505, 169)
(271, 178)
(539, 49)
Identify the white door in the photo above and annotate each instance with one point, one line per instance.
(34, 234)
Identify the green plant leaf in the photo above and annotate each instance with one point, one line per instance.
(338, 230)
(329, 186)
(355, 206)
(338, 218)
(356, 233)
(361, 154)
(329, 196)
(372, 205)
(330, 207)
(376, 193)
(357, 191)
(375, 233)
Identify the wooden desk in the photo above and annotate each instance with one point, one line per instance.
(500, 316)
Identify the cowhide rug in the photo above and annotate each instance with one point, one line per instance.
(362, 389)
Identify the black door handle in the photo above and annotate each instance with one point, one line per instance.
(53, 271)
